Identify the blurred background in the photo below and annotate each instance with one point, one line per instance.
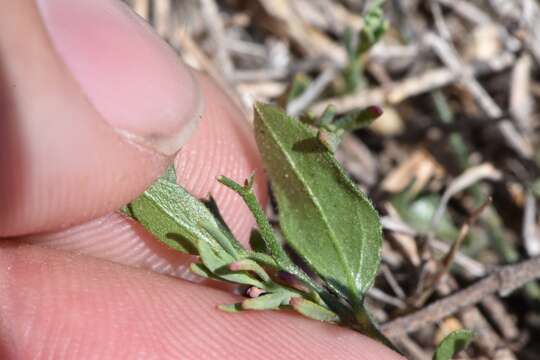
(452, 165)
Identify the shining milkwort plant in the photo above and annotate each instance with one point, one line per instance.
(323, 216)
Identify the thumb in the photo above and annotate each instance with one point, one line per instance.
(86, 125)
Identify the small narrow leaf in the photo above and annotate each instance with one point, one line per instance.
(211, 259)
(250, 265)
(350, 42)
(374, 28)
(201, 270)
(327, 116)
(299, 84)
(266, 302)
(231, 308)
(226, 242)
(312, 310)
(324, 217)
(358, 119)
(453, 344)
(219, 266)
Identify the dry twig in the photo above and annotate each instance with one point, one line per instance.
(412, 86)
(468, 178)
(503, 281)
(448, 55)
(444, 265)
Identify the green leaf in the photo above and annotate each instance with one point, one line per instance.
(202, 271)
(312, 310)
(223, 238)
(180, 220)
(266, 302)
(324, 217)
(358, 119)
(353, 75)
(453, 344)
(375, 26)
(218, 262)
(350, 43)
(171, 214)
(231, 308)
(327, 116)
(418, 212)
(299, 84)
(358, 44)
(250, 265)
(211, 259)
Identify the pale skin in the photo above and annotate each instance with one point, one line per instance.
(93, 108)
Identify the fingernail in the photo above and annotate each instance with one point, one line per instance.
(133, 79)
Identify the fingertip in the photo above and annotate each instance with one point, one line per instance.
(70, 153)
(132, 77)
(117, 238)
(68, 306)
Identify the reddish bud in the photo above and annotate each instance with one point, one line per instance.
(375, 111)
(254, 292)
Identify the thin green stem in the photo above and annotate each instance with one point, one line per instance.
(276, 251)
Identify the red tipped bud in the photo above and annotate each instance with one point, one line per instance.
(254, 292)
(375, 111)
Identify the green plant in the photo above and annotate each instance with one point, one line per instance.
(324, 217)
(358, 44)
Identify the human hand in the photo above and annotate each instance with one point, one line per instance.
(93, 108)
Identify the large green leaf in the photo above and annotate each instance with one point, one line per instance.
(323, 215)
(174, 216)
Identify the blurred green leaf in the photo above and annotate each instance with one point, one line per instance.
(453, 344)
(535, 188)
(312, 310)
(358, 44)
(266, 302)
(418, 213)
(358, 119)
(374, 28)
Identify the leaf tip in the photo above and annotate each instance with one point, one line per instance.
(230, 308)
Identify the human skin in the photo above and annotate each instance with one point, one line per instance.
(93, 108)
